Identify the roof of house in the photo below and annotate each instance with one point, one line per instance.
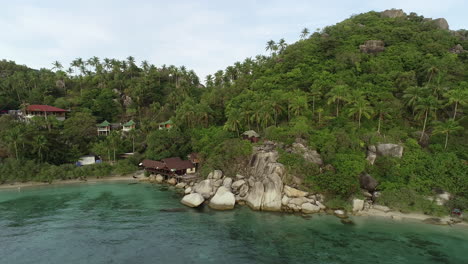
(44, 108)
(153, 164)
(250, 133)
(104, 124)
(178, 164)
(129, 123)
(168, 122)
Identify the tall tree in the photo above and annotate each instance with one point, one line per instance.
(446, 128)
(305, 33)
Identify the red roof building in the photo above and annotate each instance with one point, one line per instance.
(45, 111)
(169, 166)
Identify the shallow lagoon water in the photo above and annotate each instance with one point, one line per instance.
(123, 223)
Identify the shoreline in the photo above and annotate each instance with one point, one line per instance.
(396, 216)
(19, 185)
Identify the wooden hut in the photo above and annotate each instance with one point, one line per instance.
(104, 128)
(251, 135)
(128, 126)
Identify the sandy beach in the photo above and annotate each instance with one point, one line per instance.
(21, 185)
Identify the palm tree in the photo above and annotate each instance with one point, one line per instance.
(426, 106)
(270, 46)
(40, 144)
(298, 104)
(234, 119)
(412, 95)
(337, 95)
(57, 66)
(209, 80)
(282, 45)
(360, 107)
(304, 33)
(315, 91)
(446, 128)
(457, 97)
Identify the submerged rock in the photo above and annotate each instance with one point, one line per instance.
(309, 208)
(192, 200)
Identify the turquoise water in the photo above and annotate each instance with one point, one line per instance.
(123, 223)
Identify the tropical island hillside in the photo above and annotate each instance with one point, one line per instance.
(341, 94)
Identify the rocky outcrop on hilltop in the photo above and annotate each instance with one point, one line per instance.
(392, 13)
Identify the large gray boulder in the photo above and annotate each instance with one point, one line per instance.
(392, 13)
(309, 208)
(367, 182)
(223, 199)
(192, 200)
(273, 186)
(309, 155)
(255, 197)
(441, 23)
(215, 175)
(237, 184)
(293, 192)
(204, 188)
(227, 182)
(372, 46)
(393, 150)
(358, 205)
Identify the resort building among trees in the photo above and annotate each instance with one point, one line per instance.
(128, 126)
(251, 135)
(169, 167)
(166, 125)
(45, 111)
(104, 128)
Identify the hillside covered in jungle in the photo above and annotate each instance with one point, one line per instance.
(375, 78)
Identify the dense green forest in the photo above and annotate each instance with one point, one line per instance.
(324, 89)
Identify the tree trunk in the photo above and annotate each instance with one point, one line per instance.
(446, 140)
(313, 106)
(359, 119)
(378, 126)
(455, 111)
(424, 127)
(337, 112)
(16, 150)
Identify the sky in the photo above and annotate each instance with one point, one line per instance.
(203, 35)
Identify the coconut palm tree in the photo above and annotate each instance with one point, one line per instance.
(271, 46)
(282, 45)
(457, 97)
(426, 106)
(304, 33)
(412, 95)
(337, 95)
(315, 91)
(40, 144)
(360, 107)
(234, 120)
(446, 128)
(57, 66)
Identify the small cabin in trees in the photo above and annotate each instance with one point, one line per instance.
(171, 167)
(130, 125)
(251, 135)
(45, 111)
(166, 125)
(104, 128)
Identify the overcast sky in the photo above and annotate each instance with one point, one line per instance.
(202, 35)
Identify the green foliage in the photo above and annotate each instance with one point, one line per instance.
(123, 167)
(408, 200)
(167, 143)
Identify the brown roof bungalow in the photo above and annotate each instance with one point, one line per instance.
(169, 167)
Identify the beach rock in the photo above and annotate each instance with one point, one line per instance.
(372, 46)
(319, 204)
(239, 177)
(223, 199)
(298, 201)
(188, 190)
(392, 13)
(244, 190)
(309, 155)
(159, 178)
(192, 200)
(382, 208)
(227, 182)
(181, 185)
(293, 192)
(204, 188)
(285, 200)
(215, 175)
(358, 205)
(172, 181)
(441, 23)
(273, 186)
(237, 184)
(217, 183)
(367, 182)
(347, 221)
(340, 213)
(393, 150)
(309, 208)
(255, 196)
